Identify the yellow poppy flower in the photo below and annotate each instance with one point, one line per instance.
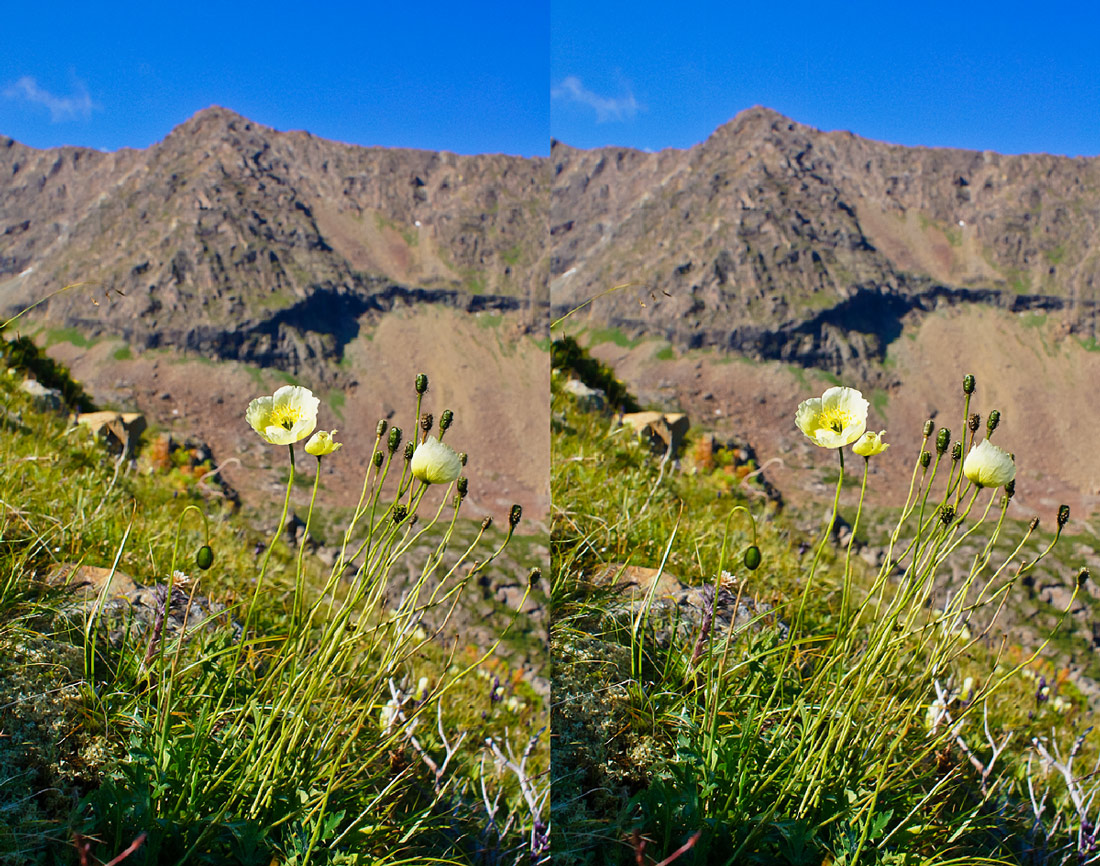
(870, 444)
(435, 462)
(835, 419)
(286, 417)
(989, 466)
(320, 444)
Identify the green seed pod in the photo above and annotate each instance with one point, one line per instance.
(928, 427)
(395, 439)
(426, 422)
(752, 557)
(968, 383)
(421, 383)
(205, 557)
(943, 439)
(925, 459)
(1063, 515)
(515, 515)
(377, 459)
(410, 447)
(461, 485)
(445, 420)
(957, 451)
(380, 430)
(992, 421)
(974, 422)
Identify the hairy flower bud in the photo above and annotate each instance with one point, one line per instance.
(410, 447)
(395, 439)
(1083, 576)
(486, 522)
(928, 428)
(380, 429)
(974, 422)
(400, 512)
(752, 557)
(535, 576)
(925, 459)
(1063, 515)
(445, 420)
(992, 421)
(462, 457)
(968, 383)
(947, 514)
(421, 383)
(1010, 488)
(957, 451)
(377, 459)
(1034, 524)
(462, 485)
(515, 515)
(426, 421)
(943, 439)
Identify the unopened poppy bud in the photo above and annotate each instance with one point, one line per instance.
(426, 422)
(400, 512)
(1010, 488)
(462, 457)
(943, 439)
(410, 447)
(421, 383)
(205, 557)
(752, 557)
(1083, 576)
(445, 420)
(380, 430)
(992, 421)
(968, 383)
(974, 422)
(535, 576)
(395, 439)
(462, 485)
(487, 522)
(957, 451)
(1063, 515)
(1034, 524)
(928, 427)
(377, 459)
(515, 515)
(925, 459)
(947, 514)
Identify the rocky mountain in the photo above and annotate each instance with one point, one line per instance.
(779, 241)
(230, 258)
(237, 241)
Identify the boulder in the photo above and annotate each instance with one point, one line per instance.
(42, 398)
(121, 431)
(663, 431)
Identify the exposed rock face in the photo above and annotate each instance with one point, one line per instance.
(778, 241)
(237, 241)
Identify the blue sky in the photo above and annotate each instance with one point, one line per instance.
(1010, 77)
(470, 78)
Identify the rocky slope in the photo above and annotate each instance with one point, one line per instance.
(779, 241)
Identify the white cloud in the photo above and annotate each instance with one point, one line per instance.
(78, 105)
(607, 108)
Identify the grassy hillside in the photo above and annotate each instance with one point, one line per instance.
(268, 708)
(734, 687)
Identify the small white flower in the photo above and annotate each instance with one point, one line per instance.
(286, 417)
(870, 444)
(835, 419)
(435, 462)
(988, 466)
(320, 444)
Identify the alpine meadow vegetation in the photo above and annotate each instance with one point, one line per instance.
(731, 689)
(242, 702)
